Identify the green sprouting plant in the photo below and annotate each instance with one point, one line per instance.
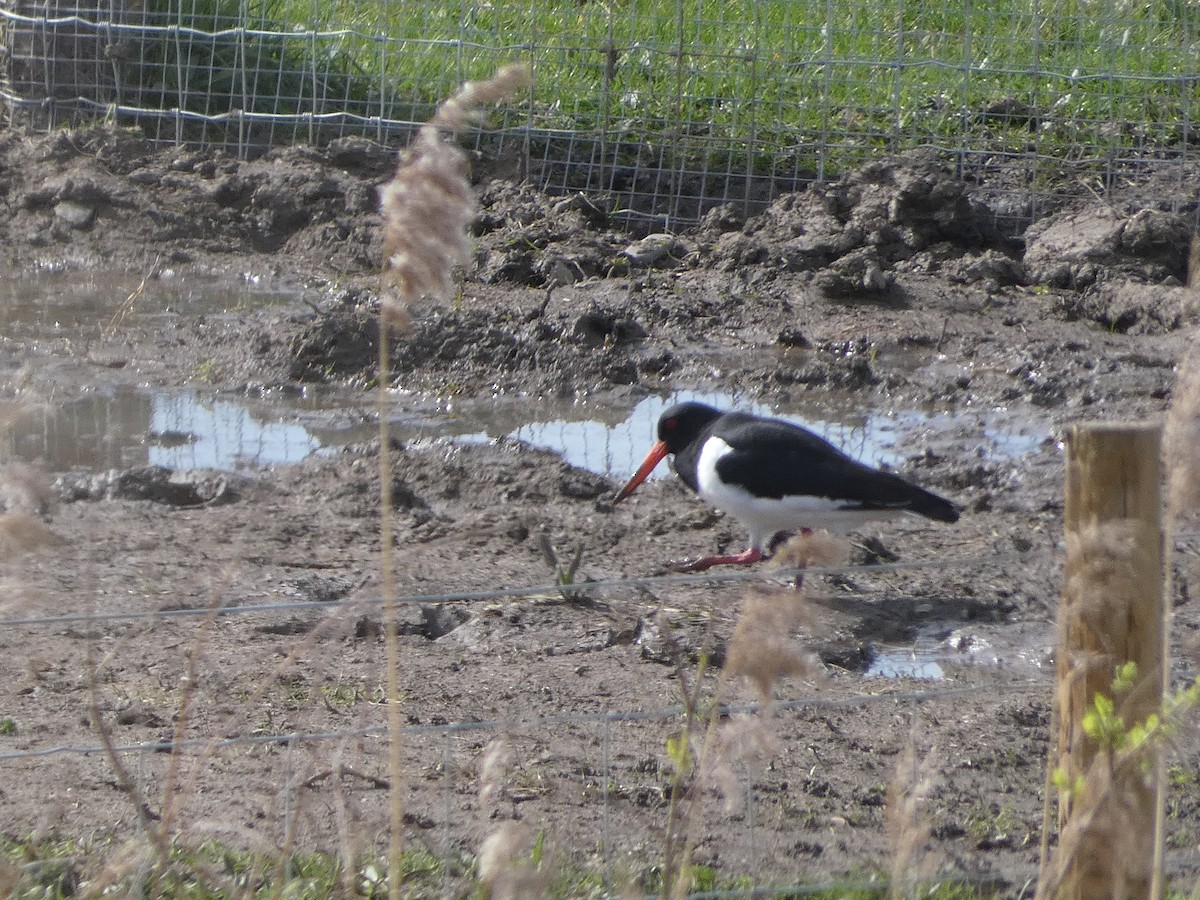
(55, 869)
(1104, 724)
(1063, 782)
(679, 754)
(565, 568)
(538, 852)
(206, 369)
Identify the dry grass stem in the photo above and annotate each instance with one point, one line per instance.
(908, 821)
(1100, 582)
(504, 867)
(1181, 438)
(147, 819)
(183, 714)
(763, 650)
(126, 307)
(348, 838)
(133, 857)
(395, 707)
(495, 761)
(428, 205)
(1181, 457)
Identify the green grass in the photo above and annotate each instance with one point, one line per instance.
(58, 869)
(770, 83)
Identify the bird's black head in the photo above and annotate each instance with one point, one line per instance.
(681, 424)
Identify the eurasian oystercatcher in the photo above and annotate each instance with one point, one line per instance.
(774, 476)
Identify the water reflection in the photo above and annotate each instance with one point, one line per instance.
(128, 426)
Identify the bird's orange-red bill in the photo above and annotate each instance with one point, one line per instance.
(653, 458)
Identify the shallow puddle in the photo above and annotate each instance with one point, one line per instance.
(116, 427)
(938, 650)
(873, 436)
(904, 663)
(124, 427)
(113, 425)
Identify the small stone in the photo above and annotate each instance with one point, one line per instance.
(77, 215)
(651, 249)
(793, 337)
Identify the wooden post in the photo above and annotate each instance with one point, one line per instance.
(1111, 614)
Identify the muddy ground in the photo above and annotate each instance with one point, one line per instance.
(897, 287)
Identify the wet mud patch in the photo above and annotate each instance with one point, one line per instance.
(551, 344)
(895, 289)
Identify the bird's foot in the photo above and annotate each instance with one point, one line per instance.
(705, 563)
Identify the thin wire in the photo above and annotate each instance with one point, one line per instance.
(667, 712)
(649, 581)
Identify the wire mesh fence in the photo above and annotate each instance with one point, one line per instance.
(671, 109)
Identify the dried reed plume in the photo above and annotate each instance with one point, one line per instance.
(24, 495)
(1182, 459)
(1100, 582)
(502, 871)
(494, 764)
(908, 821)
(429, 204)
(25, 489)
(427, 207)
(811, 548)
(744, 743)
(1108, 813)
(20, 533)
(762, 647)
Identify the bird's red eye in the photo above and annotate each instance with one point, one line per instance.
(671, 424)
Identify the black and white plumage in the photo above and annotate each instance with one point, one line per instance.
(774, 476)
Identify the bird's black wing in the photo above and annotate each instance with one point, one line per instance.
(774, 458)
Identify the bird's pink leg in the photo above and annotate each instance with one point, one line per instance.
(704, 563)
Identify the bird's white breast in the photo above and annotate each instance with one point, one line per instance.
(765, 517)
